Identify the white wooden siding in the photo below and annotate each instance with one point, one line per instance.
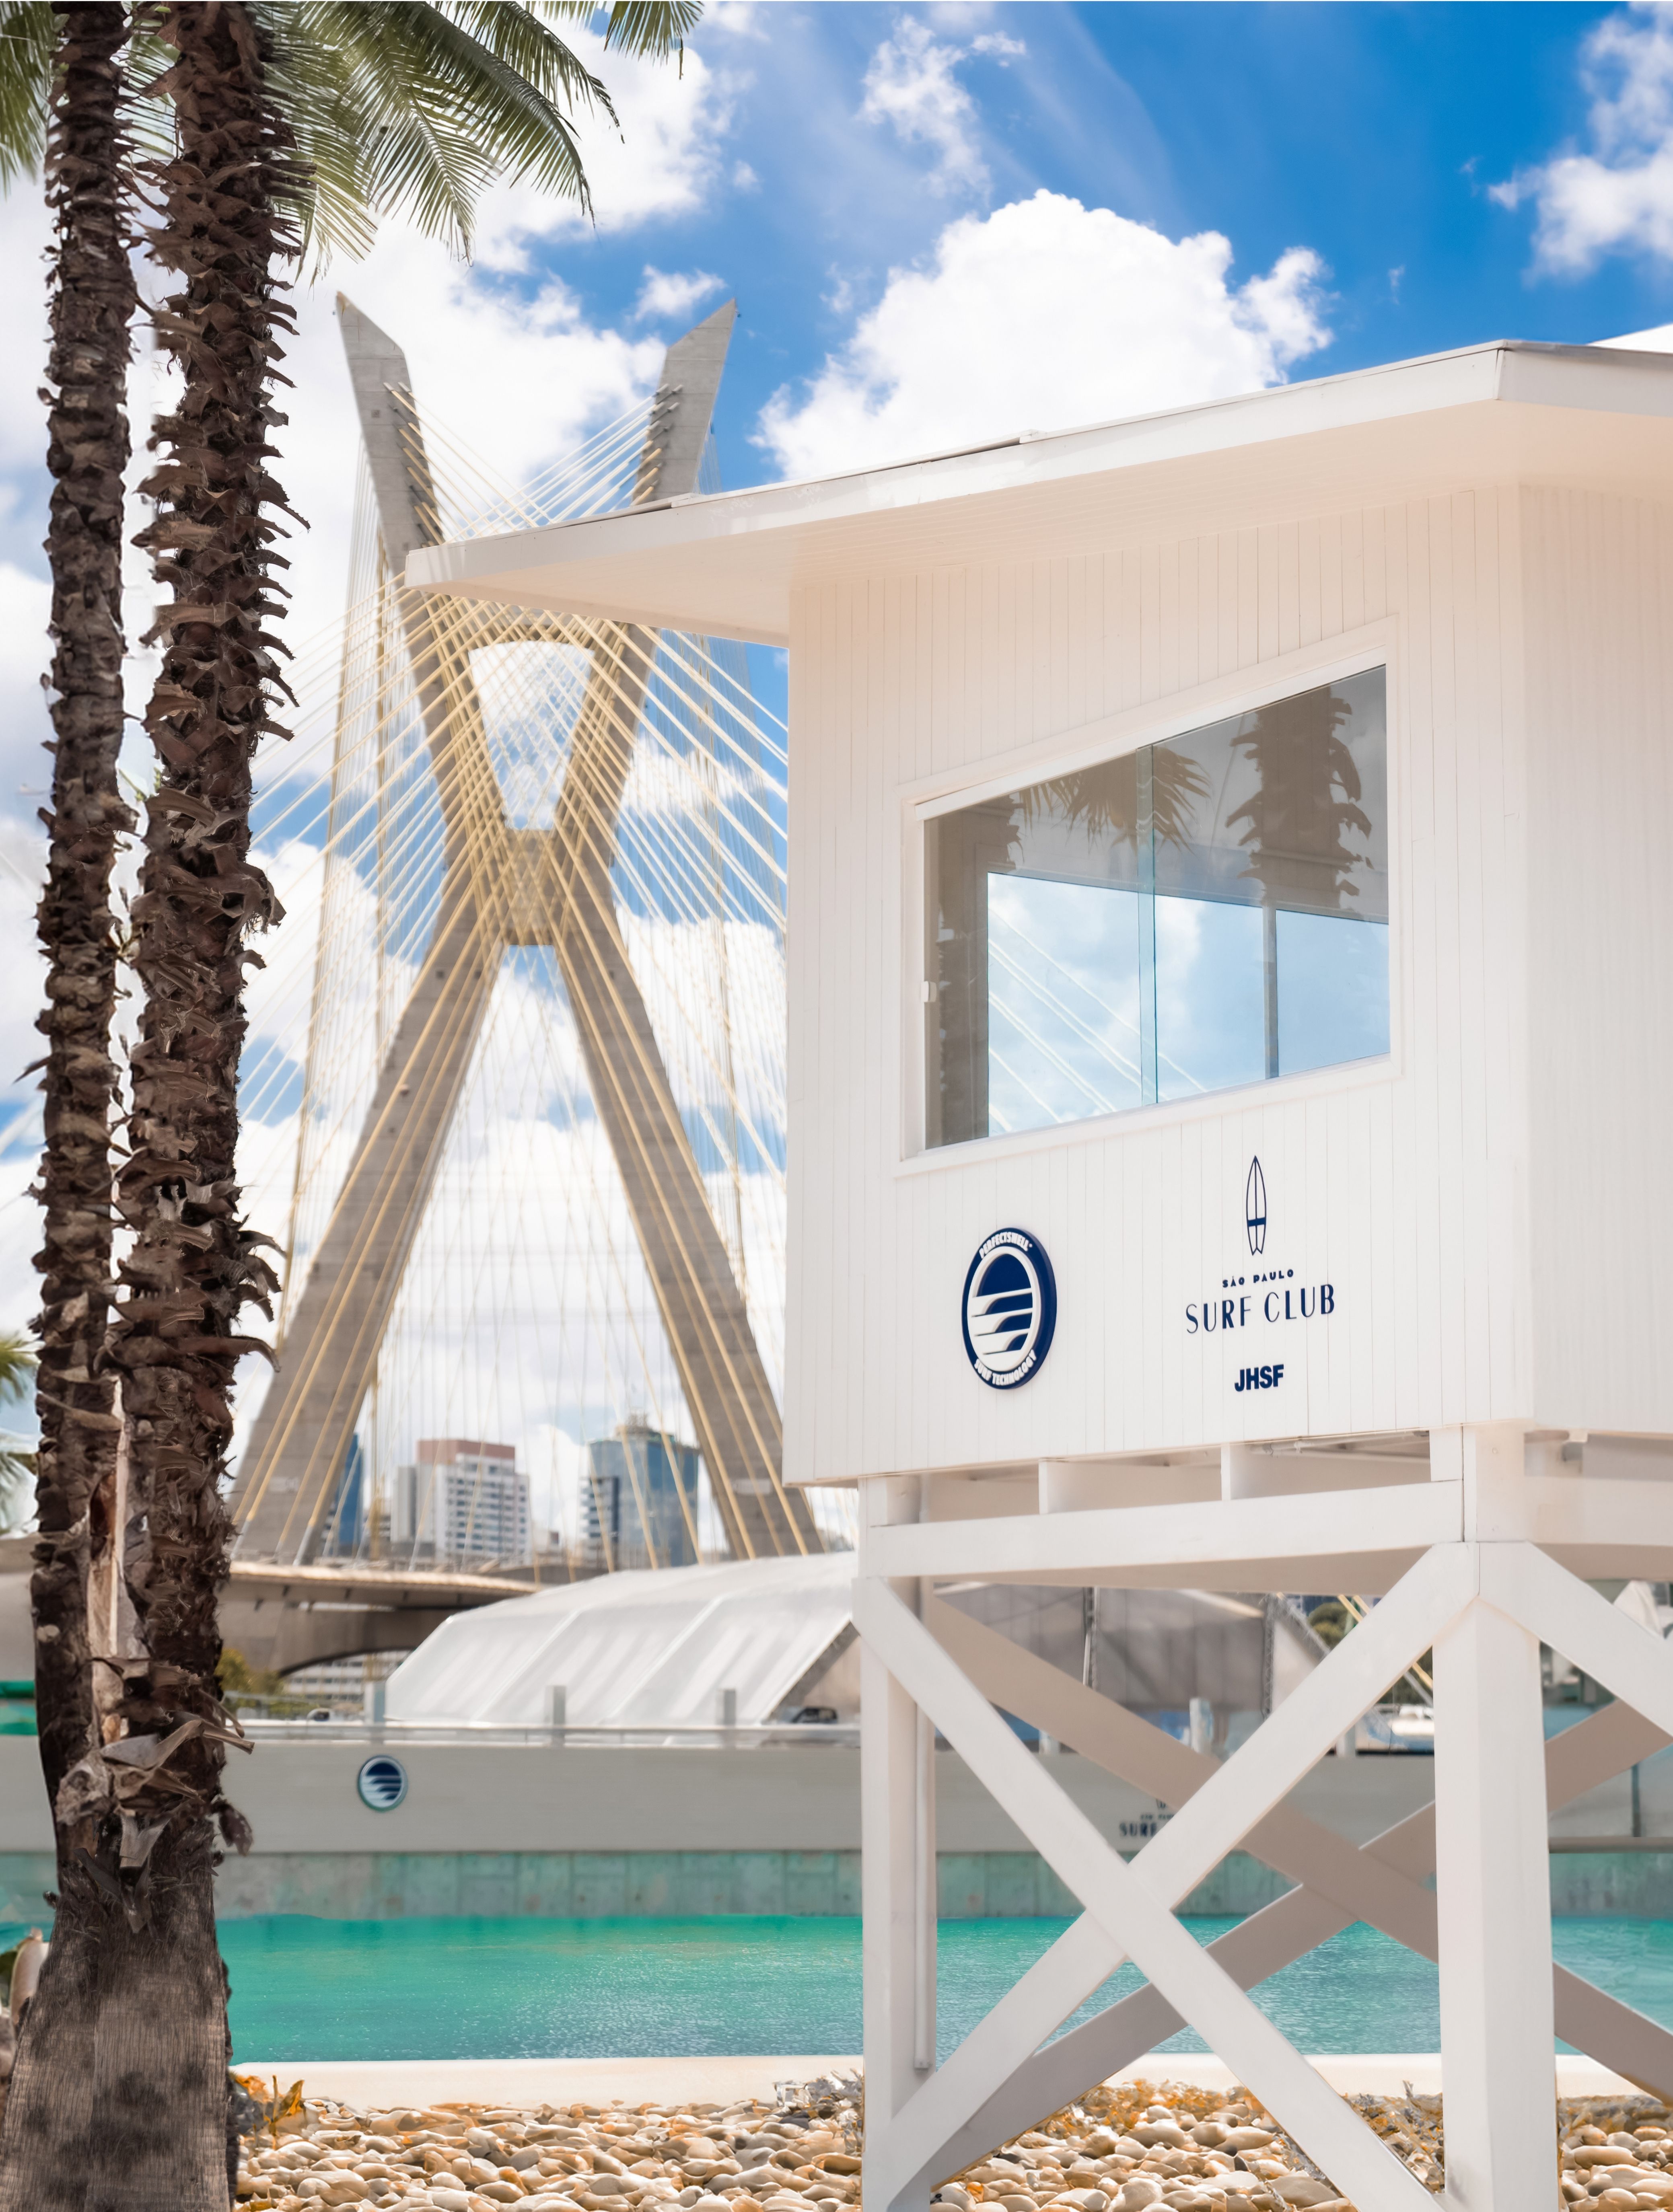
(1418, 1188)
(1597, 1208)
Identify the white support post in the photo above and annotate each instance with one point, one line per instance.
(1380, 1882)
(1575, 1621)
(1239, 1472)
(1484, 1593)
(1493, 1885)
(898, 1944)
(925, 1898)
(1131, 1904)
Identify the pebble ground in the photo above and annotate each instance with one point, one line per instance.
(1123, 2149)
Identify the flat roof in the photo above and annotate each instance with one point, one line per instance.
(725, 565)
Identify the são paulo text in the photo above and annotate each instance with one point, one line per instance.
(1273, 1306)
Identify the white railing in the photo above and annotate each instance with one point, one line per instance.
(708, 1735)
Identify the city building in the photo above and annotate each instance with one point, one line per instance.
(462, 1500)
(346, 1524)
(639, 1500)
(340, 1685)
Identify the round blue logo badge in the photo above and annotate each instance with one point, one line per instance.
(381, 1783)
(1010, 1310)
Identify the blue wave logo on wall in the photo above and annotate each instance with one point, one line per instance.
(1010, 1309)
(381, 1783)
(1255, 1207)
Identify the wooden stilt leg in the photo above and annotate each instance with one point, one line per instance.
(1493, 1894)
(897, 1876)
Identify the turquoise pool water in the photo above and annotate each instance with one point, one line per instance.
(574, 1988)
(305, 1989)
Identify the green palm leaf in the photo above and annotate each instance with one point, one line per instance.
(17, 1462)
(408, 107)
(28, 36)
(404, 108)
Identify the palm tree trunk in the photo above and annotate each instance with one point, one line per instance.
(142, 2096)
(93, 301)
(92, 305)
(193, 1264)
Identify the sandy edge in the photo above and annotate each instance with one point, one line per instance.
(366, 2083)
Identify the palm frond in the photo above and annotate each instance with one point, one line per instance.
(28, 40)
(515, 34)
(17, 1484)
(149, 115)
(410, 107)
(17, 1459)
(404, 108)
(17, 1364)
(653, 28)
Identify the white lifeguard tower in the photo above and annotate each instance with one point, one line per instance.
(1231, 956)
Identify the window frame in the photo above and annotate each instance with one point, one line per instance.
(925, 799)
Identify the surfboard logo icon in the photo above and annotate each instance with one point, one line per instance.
(1255, 1207)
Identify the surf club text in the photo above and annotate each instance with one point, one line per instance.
(1303, 1305)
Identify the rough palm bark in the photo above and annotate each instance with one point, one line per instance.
(92, 308)
(120, 2092)
(118, 2099)
(192, 1264)
(91, 311)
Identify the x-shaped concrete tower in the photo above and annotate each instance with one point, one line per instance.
(503, 887)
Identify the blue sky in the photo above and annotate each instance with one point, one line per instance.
(947, 221)
(1371, 136)
(862, 176)
(942, 222)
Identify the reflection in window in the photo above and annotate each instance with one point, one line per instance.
(1203, 913)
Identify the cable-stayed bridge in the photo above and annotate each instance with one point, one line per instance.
(515, 1083)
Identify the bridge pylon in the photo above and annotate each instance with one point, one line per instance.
(502, 887)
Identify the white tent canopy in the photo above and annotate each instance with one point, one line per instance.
(644, 1650)
(653, 1650)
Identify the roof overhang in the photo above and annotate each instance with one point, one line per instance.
(726, 566)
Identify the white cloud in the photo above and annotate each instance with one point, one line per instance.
(995, 43)
(1281, 310)
(25, 772)
(24, 235)
(514, 365)
(745, 19)
(515, 370)
(518, 376)
(507, 358)
(744, 179)
(1044, 314)
(664, 295)
(22, 861)
(911, 86)
(1617, 195)
(663, 162)
(22, 866)
(19, 1224)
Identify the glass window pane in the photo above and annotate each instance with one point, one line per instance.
(1203, 783)
(1313, 826)
(1285, 807)
(1210, 996)
(1333, 993)
(1207, 912)
(1051, 1037)
(1063, 1002)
